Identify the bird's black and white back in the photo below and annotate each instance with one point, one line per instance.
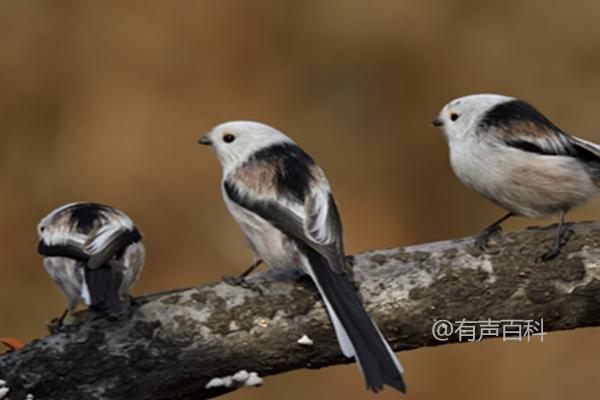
(282, 201)
(284, 182)
(93, 252)
(505, 149)
(520, 125)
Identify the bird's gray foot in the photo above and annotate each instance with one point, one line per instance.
(484, 237)
(242, 282)
(561, 240)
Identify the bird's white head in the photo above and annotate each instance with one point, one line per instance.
(460, 118)
(235, 141)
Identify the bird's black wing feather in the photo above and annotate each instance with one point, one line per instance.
(520, 125)
(567, 147)
(113, 245)
(62, 250)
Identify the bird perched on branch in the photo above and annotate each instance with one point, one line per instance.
(282, 201)
(93, 252)
(509, 152)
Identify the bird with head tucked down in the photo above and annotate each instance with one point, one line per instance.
(93, 252)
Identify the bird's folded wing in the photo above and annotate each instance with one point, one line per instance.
(550, 141)
(107, 242)
(62, 250)
(319, 227)
(322, 224)
(540, 140)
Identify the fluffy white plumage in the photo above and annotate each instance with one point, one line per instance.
(506, 150)
(282, 201)
(469, 111)
(249, 136)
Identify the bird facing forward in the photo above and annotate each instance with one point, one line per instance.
(93, 253)
(282, 202)
(506, 150)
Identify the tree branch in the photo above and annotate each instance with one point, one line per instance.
(172, 344)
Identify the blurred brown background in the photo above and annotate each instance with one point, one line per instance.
(104, 101)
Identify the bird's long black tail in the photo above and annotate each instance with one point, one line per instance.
(357, 334)
(103, 289)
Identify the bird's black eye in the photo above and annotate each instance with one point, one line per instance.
(228, 138)
(453, 116)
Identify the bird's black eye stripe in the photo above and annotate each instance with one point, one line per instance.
(453, 116)
(228, 138)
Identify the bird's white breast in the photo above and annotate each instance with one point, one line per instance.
(525, 183)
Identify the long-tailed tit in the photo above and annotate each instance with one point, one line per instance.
(93, 252)
(282, 201)
(514, 156)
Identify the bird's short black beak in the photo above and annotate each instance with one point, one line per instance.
(205, 140)
(437, 122)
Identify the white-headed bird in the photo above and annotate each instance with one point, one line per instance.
(509, 152)
(282, 201)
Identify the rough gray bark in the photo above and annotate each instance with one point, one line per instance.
(173, 343)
